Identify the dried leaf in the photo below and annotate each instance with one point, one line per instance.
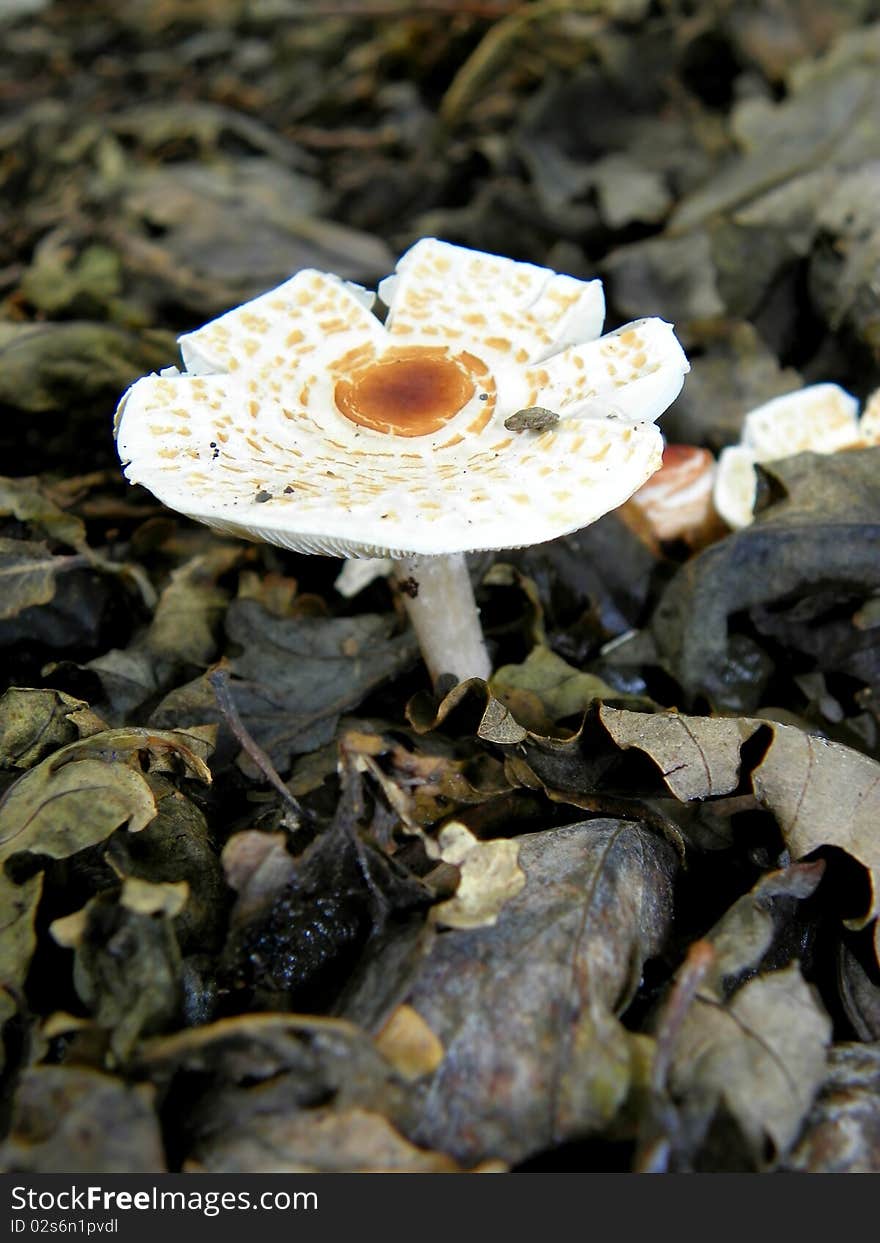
(34, 723)
(272, 1078)
(190, 610)
(18, 940)
(127, 964)
(345, 1141)
(842, 1132)
(258, 867)
(821, 793)
(84, 791)
(295, 676)
(82, 1122)
(43, 365)
(560, 689)
(26, 499)
(27, 575)
(820, 536)
(761, 1055)
(525, 1010)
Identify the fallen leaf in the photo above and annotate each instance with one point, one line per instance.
(560, 689)
(818, 540)
(295, 676)
(841, 1134)
(127, 964)
(525, 1010)
(71, 1118)
(821, 793)
(86, 790)
(760, 1055)
(18, 940)
(34, 723)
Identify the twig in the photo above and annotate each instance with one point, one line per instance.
(219, 680)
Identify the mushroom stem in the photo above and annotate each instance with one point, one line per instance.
(440, 601)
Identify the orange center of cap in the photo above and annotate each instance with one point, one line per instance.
(411, 393)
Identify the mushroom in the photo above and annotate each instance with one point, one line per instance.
(303, 420)
(677, 501)
(821, 418)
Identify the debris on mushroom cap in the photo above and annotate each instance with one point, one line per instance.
(304, 421)
(821, 418)
(677, 501)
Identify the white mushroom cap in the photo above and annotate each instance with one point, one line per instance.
(677, 501)
(821, 418)
(303, 421)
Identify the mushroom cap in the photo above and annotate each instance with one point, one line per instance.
(821, 418)
(302, 420)
(677, 501)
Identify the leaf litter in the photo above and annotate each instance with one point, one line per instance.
(616, 908)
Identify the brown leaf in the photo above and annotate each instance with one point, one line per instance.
(489, 877)
(842, 1132)
(34, 723)
(286, 1092)
(82, 1122)
(821, 793)
(761, 1054)
(321, 1141)
(86, 790)
(525, 1010)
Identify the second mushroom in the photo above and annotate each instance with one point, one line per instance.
(303, 419)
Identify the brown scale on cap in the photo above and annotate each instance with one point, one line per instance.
(407, 392)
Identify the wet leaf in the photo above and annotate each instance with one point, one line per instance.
(525, 1010)
(82, 1122)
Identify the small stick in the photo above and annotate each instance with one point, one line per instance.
(219, 680)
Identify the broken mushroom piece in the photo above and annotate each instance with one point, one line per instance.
(821, 418)
(303, 420)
